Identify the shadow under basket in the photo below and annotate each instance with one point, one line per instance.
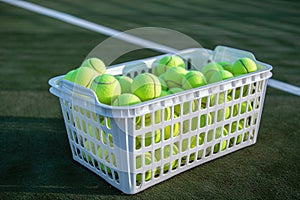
(135, 147)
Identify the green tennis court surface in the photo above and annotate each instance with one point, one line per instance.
(36, 161)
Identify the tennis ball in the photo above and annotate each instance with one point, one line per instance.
(84, 76)
(70, 76)
(244, 107)
(164, 93)
(224, 143)
(140, 163)
(193, 79)
(210, 68)
(174, 76)
(107, 159)
(95, 64)
(175, 131)
(226, 66)
(240, 136)
(243, 66)
(93, 133)
(196, 123)
(146, 86)
(219, 76)
(216, 135)
(193, 143)
(126, 99)
(158, 116)
(106, 87)
(163, 83)
(166, 155)
(167, 62)
(186, 107)
(221, 99)
(125, 83)
(88, 148)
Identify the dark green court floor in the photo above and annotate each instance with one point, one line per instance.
(36, 161)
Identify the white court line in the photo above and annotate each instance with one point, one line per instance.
(125, 37)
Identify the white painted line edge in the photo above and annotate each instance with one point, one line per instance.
(122, 36)
(284, 86)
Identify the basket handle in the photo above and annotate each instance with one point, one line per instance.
(61, 87)
(222, 53)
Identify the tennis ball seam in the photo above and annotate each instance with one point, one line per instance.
(153, 83)
(166, 64)
(90, 61)
(177, 84)
(244, 65)
(91, 80)
(105, 83)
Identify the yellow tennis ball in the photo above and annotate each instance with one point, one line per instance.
(174, 76)
(84, 76)
(185, 142)
(157, 117)
(218, 135)
(221, 99)
(163, 83)
(168, 131)
(193, 79)
(88, 148)
(202, 121)
(226, 66)
(95, 64)
(70, 76)
(219, 76)
(244, 108)
(210, 68)
(105, 155)
(106, 87)
(125, 83)
(166, 151)
(146, 86)
(140, 163)
(164, 93)
(126, 99)
(243, 66)
(234, 128)
(167, 62)
(186, 105)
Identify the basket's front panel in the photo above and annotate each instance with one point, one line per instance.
(195, 129)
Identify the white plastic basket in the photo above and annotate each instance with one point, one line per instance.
(108, 141)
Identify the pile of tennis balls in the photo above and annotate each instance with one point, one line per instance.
(169, 76)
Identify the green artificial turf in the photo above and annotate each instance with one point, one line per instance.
(36, 161)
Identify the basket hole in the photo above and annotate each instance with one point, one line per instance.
(192, 158)
(138, 179)
(183, 161)
(195, 123)
(166, 168)
(203, 103)
(138, 140)
(116, 174)
(207, 151)
(167, 151)
(184, 144)
(201, 138)
(148, 139)
(157, 153)
(185, 126)
(199, 154)
(157, 172)
(210, 134)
